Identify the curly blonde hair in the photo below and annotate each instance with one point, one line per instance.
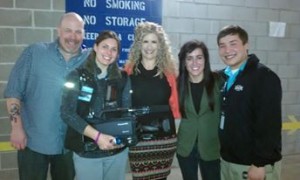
(164, 61)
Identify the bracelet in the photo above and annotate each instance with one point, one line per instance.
(97, 137)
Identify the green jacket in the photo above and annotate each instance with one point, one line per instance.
(202, 125)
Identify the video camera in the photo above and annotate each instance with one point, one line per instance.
(120, 123)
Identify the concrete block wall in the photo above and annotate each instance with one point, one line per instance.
(202, 19)
(26, 21)
(21, 22)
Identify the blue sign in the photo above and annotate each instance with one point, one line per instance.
(120, 16)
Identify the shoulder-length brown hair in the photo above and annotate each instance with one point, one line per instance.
(113, 69)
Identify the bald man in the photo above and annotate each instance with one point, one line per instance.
(33, 95)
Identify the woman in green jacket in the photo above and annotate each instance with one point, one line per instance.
(199, 97)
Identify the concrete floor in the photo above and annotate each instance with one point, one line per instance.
(290, 169)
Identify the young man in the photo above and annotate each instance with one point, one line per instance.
(34, 92)
(250, 124)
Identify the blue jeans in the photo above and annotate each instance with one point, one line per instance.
(105, 168)
(34, 166)
(210, 170)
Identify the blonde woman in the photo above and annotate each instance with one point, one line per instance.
(152, 72)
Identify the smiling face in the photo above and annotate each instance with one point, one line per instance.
(70, 34)
(106, 52)
(149, 47)
(195, 65)
(232, 50)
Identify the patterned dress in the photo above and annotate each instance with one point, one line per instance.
(151, 159)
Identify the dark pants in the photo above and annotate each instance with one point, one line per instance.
(34, 166)
(210, 170)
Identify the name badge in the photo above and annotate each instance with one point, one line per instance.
(222, 121)
(86, 93)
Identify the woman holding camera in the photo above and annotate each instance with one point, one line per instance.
(96, 86)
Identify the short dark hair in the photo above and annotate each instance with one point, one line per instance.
(233, 30)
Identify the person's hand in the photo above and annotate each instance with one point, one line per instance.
(18, 137)
(256, 173)
(106, 142)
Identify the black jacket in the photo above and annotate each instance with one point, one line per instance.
(84, 101)
(252, 109)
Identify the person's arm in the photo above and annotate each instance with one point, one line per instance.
(18, 137)
(267, 123)
(104, 141)
(173, 100)
(15, 91)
